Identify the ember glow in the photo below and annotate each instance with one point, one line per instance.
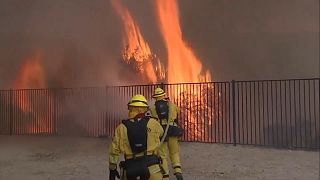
(31, 75)
(136, 49)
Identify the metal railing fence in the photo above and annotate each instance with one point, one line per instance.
(277, 113)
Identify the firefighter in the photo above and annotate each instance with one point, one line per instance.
(167, 112)
(137, 138)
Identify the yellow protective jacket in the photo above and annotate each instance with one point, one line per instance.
(120, 143)
(173, 143)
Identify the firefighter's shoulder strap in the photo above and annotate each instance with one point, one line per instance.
(164, 134)
(168, 124)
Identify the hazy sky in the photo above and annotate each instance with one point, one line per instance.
(81, 40)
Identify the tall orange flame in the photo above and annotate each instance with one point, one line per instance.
(183, 65)
(135, 47)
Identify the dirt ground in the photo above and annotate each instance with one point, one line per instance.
(68, 158)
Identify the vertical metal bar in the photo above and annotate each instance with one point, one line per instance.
(315, 112)
(3, 110)
(11, 111)
(281, 105)
(285, 114)
(48, 112)
(85, 123)
(184, 112)
(263, 114)
(224, 113)
(272, 125)
(47, 106)
(290, 115)
(238, 105)
(186, 103)
(53, 99)
(310, 118)
(300, 113)
(242, 111)
(33, 115)
(3, 121)
(207, 114)
(215, 112)
(198, 105)
(204, 98)
(276, 114)
(250, 112)
(212, 112)
(192, 114)
(31, 107)
(295, 112)
(218, 111)
(229, 112)
(17, 113)
(37, 100)
(234, 111)
(268, 114)
(255, 112)
(247, 113)
(282, 142)
(305, 115)
(54, 111)
(259, 113)
(35, 109)
(56, 94)
(59, 110)
(21, 113)
(107, 101)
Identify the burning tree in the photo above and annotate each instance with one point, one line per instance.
(146, 65)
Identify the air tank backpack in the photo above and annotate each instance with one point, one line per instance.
(162, 109)
(137, 135)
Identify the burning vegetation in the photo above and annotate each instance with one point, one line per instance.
(182, 64)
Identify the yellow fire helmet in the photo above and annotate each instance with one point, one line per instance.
(138, 101)
(158, 92)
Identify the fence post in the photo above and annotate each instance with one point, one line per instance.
(55, 111)
(162, 85)
(11, 111)
(234, 112)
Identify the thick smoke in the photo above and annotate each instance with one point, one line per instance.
(255, 39)
(82, 40)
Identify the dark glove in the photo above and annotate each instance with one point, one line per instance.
(113, 173)
(179, 176)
